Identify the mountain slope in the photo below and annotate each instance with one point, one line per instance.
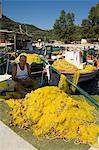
(7, 23)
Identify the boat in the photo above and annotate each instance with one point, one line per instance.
(76, 58)
(85, 76)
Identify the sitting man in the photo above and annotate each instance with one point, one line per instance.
(21, 75)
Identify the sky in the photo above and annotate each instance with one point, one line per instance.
(43, 13)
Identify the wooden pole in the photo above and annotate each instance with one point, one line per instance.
(15, 41)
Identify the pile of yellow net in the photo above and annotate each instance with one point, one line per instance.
(50, 112)
(63, 65)
(75, 80)
(88, 68)
(7, 85)
(30, 58)
(63, 84)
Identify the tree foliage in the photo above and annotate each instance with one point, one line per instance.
(64, 26)
(90, 26)
(66, 30)
(94, 15)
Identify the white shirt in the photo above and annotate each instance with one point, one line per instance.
(22, 73)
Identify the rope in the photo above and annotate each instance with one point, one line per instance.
(75, 80)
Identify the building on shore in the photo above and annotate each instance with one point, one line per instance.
(16, 40)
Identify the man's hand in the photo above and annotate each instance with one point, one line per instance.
(22, 80)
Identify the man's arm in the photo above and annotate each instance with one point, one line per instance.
(29, 70)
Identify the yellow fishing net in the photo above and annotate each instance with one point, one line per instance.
(7, 85)
(88, 68)
(75, 80)
(63, 84)
(63, 65)
(50, 112)
(30, 58)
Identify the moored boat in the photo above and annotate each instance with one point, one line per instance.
(72, 63)
(84, 76)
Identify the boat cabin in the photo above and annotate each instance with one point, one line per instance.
(75, 57)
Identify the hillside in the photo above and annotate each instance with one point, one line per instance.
(7, 23)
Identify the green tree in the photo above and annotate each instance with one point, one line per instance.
(90, 26)
(85, 26)
(94, 15)
(63, 27)
(70, 19)
(60, 25)
(77, 33)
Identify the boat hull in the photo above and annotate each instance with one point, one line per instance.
(83, 76)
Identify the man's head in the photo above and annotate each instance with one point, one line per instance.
(23, 59)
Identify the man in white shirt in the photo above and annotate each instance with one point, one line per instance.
(21, 75)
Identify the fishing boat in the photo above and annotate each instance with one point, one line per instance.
(85, 76)
(76, 58)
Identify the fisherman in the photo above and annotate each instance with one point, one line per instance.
(21, 74)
